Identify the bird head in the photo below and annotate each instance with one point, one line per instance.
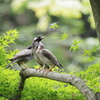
(37, 41)
(38, 38)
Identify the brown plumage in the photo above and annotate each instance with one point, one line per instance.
(48, 58)
(44, 55)
(35, 44)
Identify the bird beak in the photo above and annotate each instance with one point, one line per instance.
(43, 37)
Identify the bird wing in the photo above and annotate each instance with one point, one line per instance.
(49, 55)
(23, 53)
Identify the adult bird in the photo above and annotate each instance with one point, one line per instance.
(22, 57)
(47, 57)
(37, 42)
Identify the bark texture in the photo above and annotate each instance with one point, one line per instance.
(95, 5)
(66, 78)
(17, 95)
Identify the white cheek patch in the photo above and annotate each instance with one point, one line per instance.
(35, 38)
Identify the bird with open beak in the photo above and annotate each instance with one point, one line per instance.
(37, 42)
(46, 56)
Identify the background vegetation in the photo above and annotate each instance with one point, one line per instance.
(32, 18)
(77, 52)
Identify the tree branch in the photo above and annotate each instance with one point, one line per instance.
(96, 14)
(17, 95)
(66, 78)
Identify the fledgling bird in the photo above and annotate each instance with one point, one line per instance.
(37, 42)
(22, 57)
(47, 57)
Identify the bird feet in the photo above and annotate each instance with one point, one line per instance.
(38, 69)
(47, 70)
(24, 68)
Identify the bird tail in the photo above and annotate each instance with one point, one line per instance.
(60, 66)
(10, 64)
(13, 60)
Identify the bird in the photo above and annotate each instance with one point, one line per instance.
(47, 57)
(37, 42)
(22, 57)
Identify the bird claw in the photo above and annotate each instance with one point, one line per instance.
(24, 68)
(44, 70)
(37, 69)
(47, 70)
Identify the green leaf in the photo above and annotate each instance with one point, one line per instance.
(76, 42)
(95, 48)
(64, 36)
(74, 48)
(75, 45)
(12, 31)
(96, 51)
(54, 25)
(87, 52)
(92, 58)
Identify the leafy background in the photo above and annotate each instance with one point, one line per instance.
(36, 17)
(70, 35)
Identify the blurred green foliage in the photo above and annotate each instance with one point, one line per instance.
(40, 88)
(91, 76)
(68, 26)
(8, 83)
(47, 89)
(8, 78)
(5, 40)
(51, 18)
